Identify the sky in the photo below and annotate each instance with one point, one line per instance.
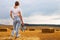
(33, 11)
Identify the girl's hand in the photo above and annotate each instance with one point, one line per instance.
(22, 24)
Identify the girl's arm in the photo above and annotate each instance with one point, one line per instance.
(11, 14)
(19, 14)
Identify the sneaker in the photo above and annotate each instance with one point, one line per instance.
(14, 31)
(18, 36)
(11, 37)
(23, 28)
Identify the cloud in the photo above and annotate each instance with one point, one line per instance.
(6, 21)
(36, 19)
(40, 19)
(35, 11)
(28, 6)
(46, 6)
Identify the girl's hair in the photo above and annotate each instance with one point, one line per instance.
(16, 3)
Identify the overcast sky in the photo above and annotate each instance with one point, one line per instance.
(33, 11)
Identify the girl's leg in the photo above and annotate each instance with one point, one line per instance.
(17, 27)
(14, 28)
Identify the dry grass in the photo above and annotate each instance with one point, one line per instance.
(30, 35)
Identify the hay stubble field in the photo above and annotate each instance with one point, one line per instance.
(30, 34)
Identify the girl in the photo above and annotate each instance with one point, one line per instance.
(15, 14)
